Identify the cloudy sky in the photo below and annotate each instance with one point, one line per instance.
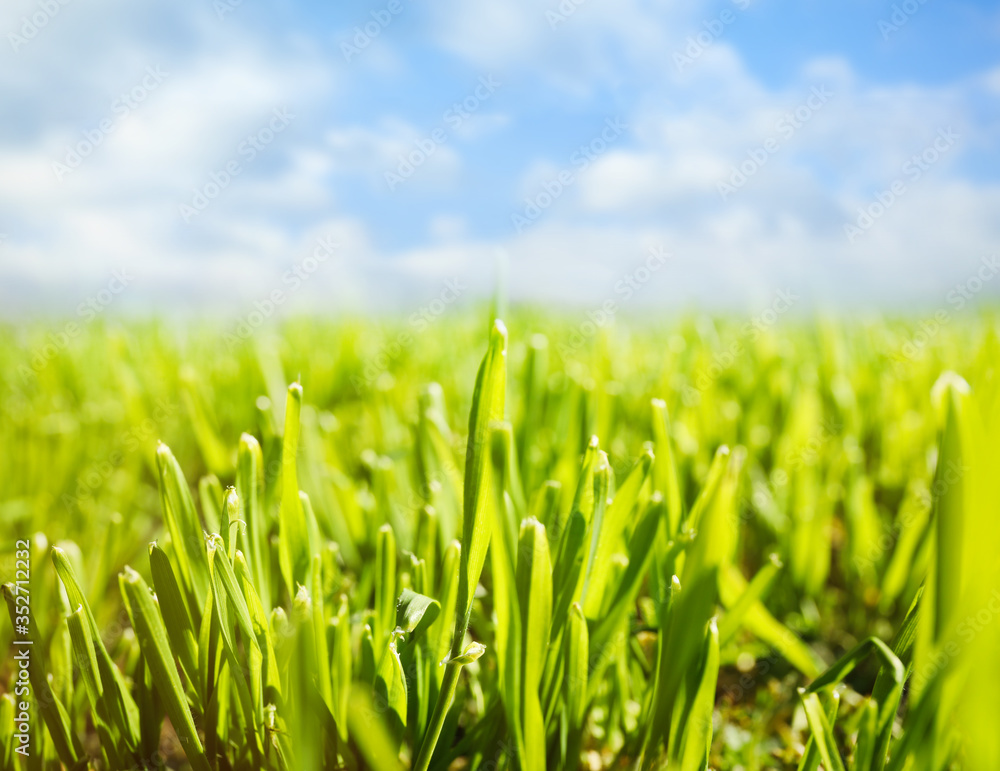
(368, 155)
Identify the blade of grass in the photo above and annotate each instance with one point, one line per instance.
(575, 683)
(534, 591)
(487, 406)
(248, 484)
(294, 532)
(152, 638)
(665, 478)
(54, 714)
(612, 529)
(186, 536)
(385, 585)
(122, 709)
(697, 734)
(183, 637)
(822, 733)
(810, 758)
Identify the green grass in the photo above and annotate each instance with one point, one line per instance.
(678, 547)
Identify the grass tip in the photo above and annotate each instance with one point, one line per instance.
(130, 575)
(471, 653)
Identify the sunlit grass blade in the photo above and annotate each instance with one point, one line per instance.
(368, 729)
(324, 678)
(696, 741)
(822, 733)
(864, 753)
(231, 523)
(86, 659)
(294, 532)
(153, 641)
(261, 628)
(248, 484)
(639, 552)
(695, 605)
(187, 539)
(487, 407)
(536, 370)
(52, 710)
(657, 713)
(810, 757)
(341, 668)
(440, 631)
(390, 689)
(180, 630)
(227, 595)
(896, 674)
(575, 682)
(306, 710)
(534, 592)
(122, 710)
(415, 613)
(385, 585)
(665, 478)
(440, 477)
(210, 495)
(611, 536)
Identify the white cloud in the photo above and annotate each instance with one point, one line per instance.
(413, 158)
(658, 184)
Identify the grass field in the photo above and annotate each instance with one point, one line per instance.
(470, 544)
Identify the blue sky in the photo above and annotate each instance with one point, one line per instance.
(848, 153)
